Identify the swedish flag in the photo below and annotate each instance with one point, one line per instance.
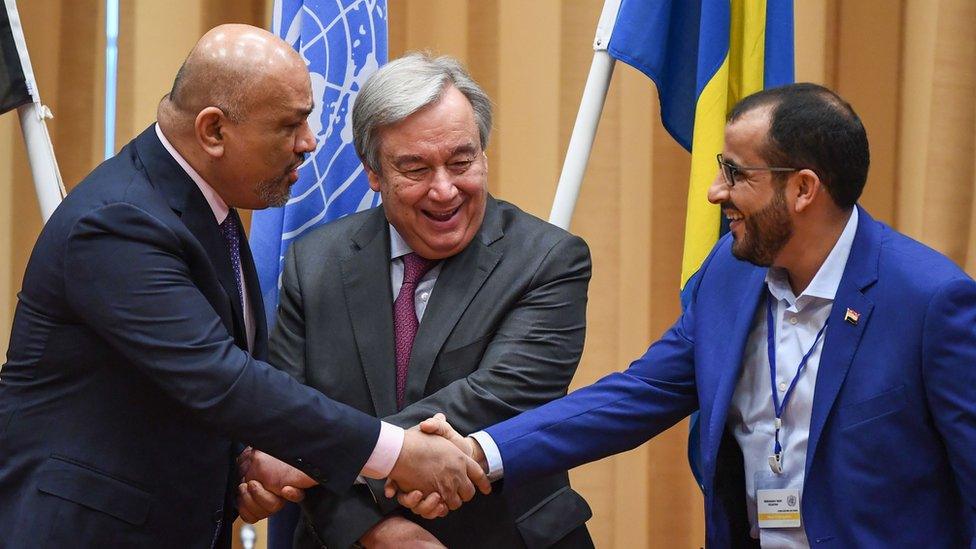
(704, 56)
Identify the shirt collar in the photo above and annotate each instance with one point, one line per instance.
(825, 282)
(217, 204)
(398, 246)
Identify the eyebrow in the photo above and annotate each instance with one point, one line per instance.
(304, 112)
(467, 148)
(398, 161)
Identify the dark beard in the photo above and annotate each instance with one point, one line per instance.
(767, 231)
(274, 192)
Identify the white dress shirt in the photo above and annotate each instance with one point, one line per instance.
(421, 295)
(751, 414)
(797, 321)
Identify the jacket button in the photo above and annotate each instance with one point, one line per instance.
(218, 515)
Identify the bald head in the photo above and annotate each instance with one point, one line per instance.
(229, 68)
(238, 114)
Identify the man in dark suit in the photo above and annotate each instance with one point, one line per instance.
(832, 358)
(499, 303)
(133, 364)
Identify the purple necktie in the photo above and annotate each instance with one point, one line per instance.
(405, 321)
(232, 238)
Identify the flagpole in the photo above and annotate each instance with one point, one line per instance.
(587, 120)
(40, 152)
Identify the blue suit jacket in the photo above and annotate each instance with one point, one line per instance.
(126, 380)
(891, 460)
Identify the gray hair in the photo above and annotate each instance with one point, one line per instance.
(404, 86)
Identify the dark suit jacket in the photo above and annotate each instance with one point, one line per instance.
(126, 381)
(891, 459)
(502, 332)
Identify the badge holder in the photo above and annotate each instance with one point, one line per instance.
(777, 506)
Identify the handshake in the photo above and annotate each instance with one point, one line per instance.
(437, 470)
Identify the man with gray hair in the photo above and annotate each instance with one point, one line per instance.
(443, 299)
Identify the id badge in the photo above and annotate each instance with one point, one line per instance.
(776, 505)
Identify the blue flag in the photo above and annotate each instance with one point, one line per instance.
(343, 42)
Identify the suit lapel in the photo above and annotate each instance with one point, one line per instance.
(842, 338)
(256, 300)
(366, 282)
(459, 281)
(185, 198)
(730, 367)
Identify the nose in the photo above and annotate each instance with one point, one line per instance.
(442, 188)
(306, 140)
(718, 192)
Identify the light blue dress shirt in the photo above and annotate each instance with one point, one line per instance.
(797, 320)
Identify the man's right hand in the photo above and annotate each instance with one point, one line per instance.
(431, 464)
(430, 505)
(396, 531)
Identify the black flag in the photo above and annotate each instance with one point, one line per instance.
(14, 89)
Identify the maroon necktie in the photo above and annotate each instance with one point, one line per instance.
(405, 321)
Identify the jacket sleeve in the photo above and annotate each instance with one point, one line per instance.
(132, 283)
(617, 413)
(949, 358)
(336, 520)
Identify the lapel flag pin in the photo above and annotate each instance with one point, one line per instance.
(851, 316)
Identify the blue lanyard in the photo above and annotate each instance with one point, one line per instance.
(779, 407)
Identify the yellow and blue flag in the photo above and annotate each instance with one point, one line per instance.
(704, 56)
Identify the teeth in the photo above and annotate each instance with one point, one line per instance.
(442, 216)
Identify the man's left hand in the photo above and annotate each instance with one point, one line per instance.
(268, 484)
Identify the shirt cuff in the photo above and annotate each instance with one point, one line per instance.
(494, 458)
(385, 453)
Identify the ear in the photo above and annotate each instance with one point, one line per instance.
(373, 177)
(208, 126)
(808, 188)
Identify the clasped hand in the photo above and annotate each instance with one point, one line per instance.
(434, 504)
(433, 474)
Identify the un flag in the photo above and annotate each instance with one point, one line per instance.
(343, 42)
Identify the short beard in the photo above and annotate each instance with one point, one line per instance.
(274, 192)
(767, 231)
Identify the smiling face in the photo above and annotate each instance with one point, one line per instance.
(756, 206)
(433, 176)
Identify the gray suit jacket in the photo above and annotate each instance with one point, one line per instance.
(502, 333)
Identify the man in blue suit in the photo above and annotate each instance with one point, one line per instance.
(134, 373)
(832, 358)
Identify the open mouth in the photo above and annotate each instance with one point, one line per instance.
(441, 216)
(734, 218)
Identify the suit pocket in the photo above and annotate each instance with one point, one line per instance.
(876, 407)
(81, 484)
(461, 360)
(553, 518)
